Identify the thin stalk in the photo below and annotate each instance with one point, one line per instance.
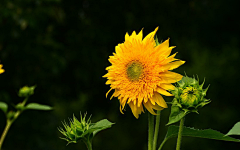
(156, 130)
(163, 142)
(5, 131)
(180, 134)
(10, 122)
(88, 144)
(24, 101)
(150, 131)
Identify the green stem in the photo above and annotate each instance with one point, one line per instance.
(150, 131)
(5, 131)
(156, 130)
(163, 142)
(24, 101)
(180, 134)
(88, 144)
(10, 122)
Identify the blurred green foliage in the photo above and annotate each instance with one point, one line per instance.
(62, 46)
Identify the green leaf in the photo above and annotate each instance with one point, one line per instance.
(98, 126)
(3, 107)
(101, 125)
(37, 106)
(176, 114)
(235, 130)
(206, 133)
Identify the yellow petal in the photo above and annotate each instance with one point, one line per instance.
(108, 82)
(167, 86)
(152, 101)
(159, 100)
(118, 50)
(135, 110)
(163, 46)
(121, 108)
(140, 35)
(122, 105)
(127, 38)
(150, 36)
(133, 34)
(169, 59)
(163, 92)
(170, 77)
(164, 52)
(140, 99)
(149, 107)
(173, 65)
(108, 92)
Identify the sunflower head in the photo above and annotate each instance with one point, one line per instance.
(140, 72)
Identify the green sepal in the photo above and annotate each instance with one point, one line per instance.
(156, 41)
(235, 130)
(176, 114)
(3, 107)
(203, 103)
(37, 106)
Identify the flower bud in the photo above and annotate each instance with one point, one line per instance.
(26, 91)
(190, 95)
(76, 129)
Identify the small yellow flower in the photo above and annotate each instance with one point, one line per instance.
(141, 72)
(1, 70)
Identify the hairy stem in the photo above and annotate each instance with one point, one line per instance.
(150, 131)
(88, 144)
(180, 134)
(156, 130)
(10, 122)
(5, 131)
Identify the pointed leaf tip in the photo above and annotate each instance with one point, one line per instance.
(235, 130)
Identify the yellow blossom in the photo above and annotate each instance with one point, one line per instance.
(140, 72)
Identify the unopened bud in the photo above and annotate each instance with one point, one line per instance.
(189, 94)
(26, 91)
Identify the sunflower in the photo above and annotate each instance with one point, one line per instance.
(1, 70)
(140, 73)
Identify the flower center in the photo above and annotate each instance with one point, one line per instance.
(134, 70)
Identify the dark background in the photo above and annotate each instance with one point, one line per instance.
(62, 46)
